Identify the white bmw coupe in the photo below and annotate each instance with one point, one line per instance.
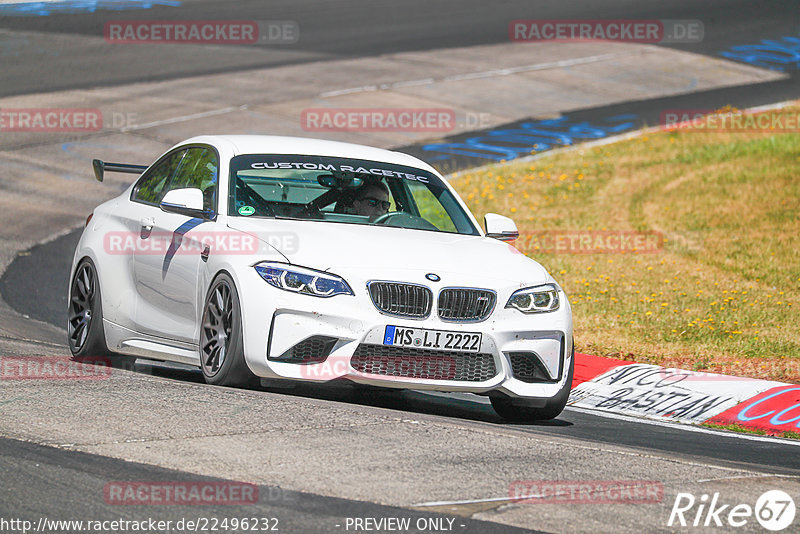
(299, 259)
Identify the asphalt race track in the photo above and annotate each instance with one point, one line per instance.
(353, 28)
(321, 455)
(22, 462)
(55, 257)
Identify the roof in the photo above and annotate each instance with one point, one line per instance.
(273, 144)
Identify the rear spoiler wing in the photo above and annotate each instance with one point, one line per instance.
(101, 166)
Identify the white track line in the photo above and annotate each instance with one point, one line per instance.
(470, 501)
(471, 75)
(529, 497)
(634, 419)
(769, 475)
(687, 427)
(184, 118)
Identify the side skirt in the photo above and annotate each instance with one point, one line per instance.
(129, 342)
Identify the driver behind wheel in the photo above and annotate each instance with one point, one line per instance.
(371, 199)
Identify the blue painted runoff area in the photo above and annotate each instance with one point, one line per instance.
(44, 9)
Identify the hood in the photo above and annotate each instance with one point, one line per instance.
(381, 252)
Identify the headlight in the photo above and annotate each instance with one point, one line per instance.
(302, 280)
(538, 299)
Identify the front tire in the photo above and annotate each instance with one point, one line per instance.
(221, 340)
(85, 336)
(506, 408)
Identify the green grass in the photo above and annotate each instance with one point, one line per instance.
(721, 295)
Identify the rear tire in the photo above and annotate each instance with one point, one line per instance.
(221, 341)
(85, 336)
(505, 407)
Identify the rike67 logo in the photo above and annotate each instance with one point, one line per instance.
(774, 510)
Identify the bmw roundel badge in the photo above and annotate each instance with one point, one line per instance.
(432, 277)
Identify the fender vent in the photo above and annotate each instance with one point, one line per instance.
(527, 367)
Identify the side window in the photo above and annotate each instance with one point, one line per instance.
(199, 169)
(430, 208)
(151, 187)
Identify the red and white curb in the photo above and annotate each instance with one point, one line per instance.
(677, 395)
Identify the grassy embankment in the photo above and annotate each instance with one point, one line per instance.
(721, 295)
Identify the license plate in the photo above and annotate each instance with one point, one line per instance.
(420, 338)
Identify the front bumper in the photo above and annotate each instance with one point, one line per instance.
(350, 322)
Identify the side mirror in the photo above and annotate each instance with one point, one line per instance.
(187, 202)
(500, 227)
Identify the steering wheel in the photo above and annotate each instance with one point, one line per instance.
(401, 219)
(383, 219)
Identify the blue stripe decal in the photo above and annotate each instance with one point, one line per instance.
(177, 239)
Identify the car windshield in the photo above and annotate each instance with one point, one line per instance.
(344, 190)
